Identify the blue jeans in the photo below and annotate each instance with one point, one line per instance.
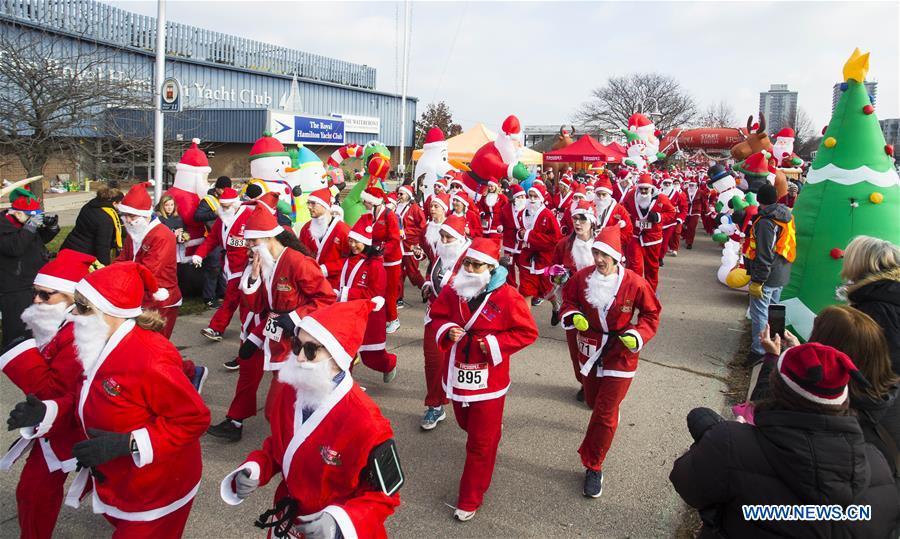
(759, 314)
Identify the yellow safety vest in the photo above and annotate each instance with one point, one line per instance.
(785, 242)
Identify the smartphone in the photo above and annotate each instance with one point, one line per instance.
(776, 320)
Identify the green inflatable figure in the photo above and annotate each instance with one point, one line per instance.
(851, 189)
(352, 205)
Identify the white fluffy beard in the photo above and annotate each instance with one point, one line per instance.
(91, 334)
(318, 225)
(507, 149)
(692, 191)
(433, 233)
(581, 253)
(603, 203)
(312, 381)
(266, 260)
(518, 203)
(227, 215)
(467, 285)
(137, 229)
(532, 210)
(43, 320)
(449, 253)
(491, 199)
(644, 200)
(601, 289)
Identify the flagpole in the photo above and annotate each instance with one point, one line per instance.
(159, 74)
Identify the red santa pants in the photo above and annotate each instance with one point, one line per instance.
(394, 276)
(170, 315)
(511, 269)
(434, 370)
(709, 223)
(483, 422)
(39, 496)
(411, 272)
(532, 285)
(250, 373)
(603, 395)
(169, 526)
(644, 261)
(231, 303)
(574, 354)
(675, 237)
(690, 230)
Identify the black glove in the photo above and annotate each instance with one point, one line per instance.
(247, 349)
(103, 446)
(27, 414)
(699, 420)
(15, 342)
(286, 324)
(32, 224)
(653, 217)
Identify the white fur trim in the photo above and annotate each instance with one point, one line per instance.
(379, 303)
(246, 288)
(637, 336)
(371, 199)
(806, 394)
(494, 348)
(255, 340)
(295, 318)
(44, 426)
(318, 201)
(91, 294)
(161, 294)
(142, 516)
(227, 493)
(259, 234)
(134, 211)
(452, 231)
(474, 398)
(481, 257)
(833, 173)
(615, 374)
(55, 283)
(144, 455)
(373, 347)
(530, 189)
(359, 237)
(348, 530)
(326, 339)
(184, 167)
(16, 351)
(606, 248)
(15, 452)
(439, 334)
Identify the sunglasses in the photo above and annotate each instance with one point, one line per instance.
(82, 308)
(310, 349)
(43, 294)
(579, 217)
(473, 264)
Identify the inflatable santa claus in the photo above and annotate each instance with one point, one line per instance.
(496, 160)
(190, 185)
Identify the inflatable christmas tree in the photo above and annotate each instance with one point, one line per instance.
(851, 189)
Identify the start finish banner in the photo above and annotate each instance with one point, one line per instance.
(294, 129)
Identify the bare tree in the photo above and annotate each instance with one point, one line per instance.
(436, 115)
(611, 105)
(717, 115)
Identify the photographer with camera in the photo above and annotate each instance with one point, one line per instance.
(24, 229)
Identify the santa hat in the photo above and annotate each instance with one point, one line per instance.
(442, 200)
(579, 191)
(756, 165)
(229, 196)
(340, 327)
(512, 128)
(539, 181)
(540, 190)
(622, 174)
(63, 272)
(261, 224)
(516, 190)
(818, 373)
(267, 146)
(443, 183)
(603, 184)
(455, 225)
(373, 194)
(378, 167)
(25, 201)
(361, 232)
(567, 182)
(118, 289)
(638, 120)
(194, 159)
(321, 197)
(408, 189)
(269, 201)
(137, 201)
(585, 208)
(463, 199)
(337, 211)
(609, 241)
(786, 132)
(484, 250)
(434, 138)
(645, 180)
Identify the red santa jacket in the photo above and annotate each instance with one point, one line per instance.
(385, 233)
(538, 241)
(296, 287)
(697, 203)
(599, 345)
(412, 222)
(647, 232)
(492, 216)
(323, 463)
(49, 373)
(562, 254)
(616, 215)
(510, 223)
(231, 238)
(618, 194)
(502, 321)
(137, 386)
(186, 203)
(680, 205)
(473, 224)
(363, 277)
(330, 250)
(561, 204)
(158, 252)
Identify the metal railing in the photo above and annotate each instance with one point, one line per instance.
(105, 23)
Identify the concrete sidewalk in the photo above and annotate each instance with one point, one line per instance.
(536, 490)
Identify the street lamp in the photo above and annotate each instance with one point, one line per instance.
(655, 111)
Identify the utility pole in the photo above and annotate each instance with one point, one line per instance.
(158, 76)
(406, 39)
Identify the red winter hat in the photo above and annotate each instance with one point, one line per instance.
(645, 180)
(786, 132)
(408, 190)
(63, 272)
(609, 241)
(516, 190)
(455, 225)
(361, 232)
(485, 250)
(603, 184)
(269, 201)
(463, 198)
(137, 201)
(579, 191)
(262, 224)
(621, 173)
(267, 146)
(229, 196)
(442, 199)
(818, 373)
(378, 167)
(434, 135)
(195, 157)
(340, 327)
(119, 289)
(638, 120)
(511, 127)
(322, 197)
(25, 201)
(539, 189)
(373, 195)
(585, 208)
(755, 165)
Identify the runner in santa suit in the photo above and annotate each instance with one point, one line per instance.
(611, 213)
(281, 285)
(363, 277)
(539, 233)
(143, 420)
(412, 222)
(227, 233)
(386, 237)
(340, 476)
(565, 222)
(562, 200)
(441, 187)
(697, 202)
(623, 184)
(490, 208)
(151, 244)
(47, 367)
(452, 243)
(599, 304)
(708, 219)
(463, 206)
(671, 187)
(325, 236)
(479, 323)
(510, 223)
(649, 211)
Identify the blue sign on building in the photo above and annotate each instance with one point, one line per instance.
(292, 128)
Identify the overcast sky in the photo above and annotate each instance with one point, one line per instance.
(540, 60)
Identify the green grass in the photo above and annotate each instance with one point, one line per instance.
(54, 244)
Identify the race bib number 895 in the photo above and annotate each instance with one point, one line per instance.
(471, 376)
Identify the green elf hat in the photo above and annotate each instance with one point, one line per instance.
(24, 200)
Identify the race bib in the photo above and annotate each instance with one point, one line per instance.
(587, 346)
(233, 241)
(643, 224)
(471, 376)
(272, 331)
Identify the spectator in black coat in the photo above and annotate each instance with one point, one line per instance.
(23, 233)
(804, 449)
(208, 211)
(98, 228)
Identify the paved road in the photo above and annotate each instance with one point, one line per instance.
(537, 482)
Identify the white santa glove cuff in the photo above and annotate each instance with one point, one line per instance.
(637, 337)
(226, 491)
(144, 455)
(344, 523)
(324, 270)
(44, 426)
(197, 260)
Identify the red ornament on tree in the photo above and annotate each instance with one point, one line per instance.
(824, 129)
(837, 254)
(889, 149)
(868, 109)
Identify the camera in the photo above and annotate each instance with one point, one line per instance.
(50, 220)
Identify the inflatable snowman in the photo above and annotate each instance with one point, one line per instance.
(269, 168)
(305, 175)
(190, 185)
(433, 163)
